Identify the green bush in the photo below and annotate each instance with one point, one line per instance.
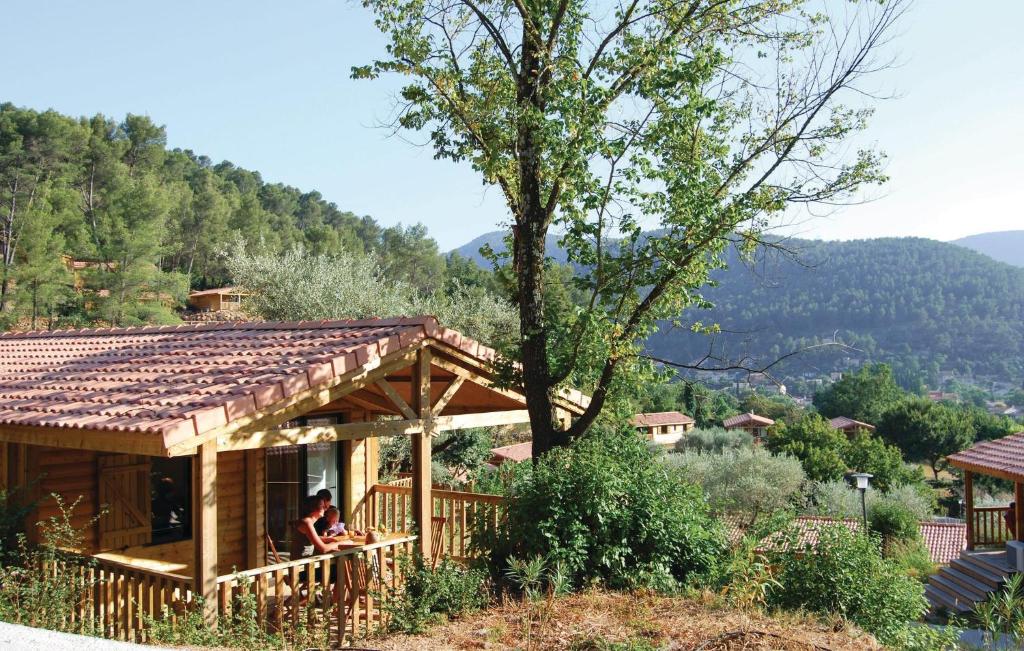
(31, 592)
(605, 510)
(845, 574)
(714, 439)
(431, 594)
(893, 521)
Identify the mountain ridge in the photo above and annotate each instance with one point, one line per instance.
(1003, 246)
(925, 306)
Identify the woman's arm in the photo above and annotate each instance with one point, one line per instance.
(319, 544)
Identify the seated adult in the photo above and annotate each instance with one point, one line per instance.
(308, 543)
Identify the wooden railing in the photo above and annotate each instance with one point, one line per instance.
(116, 599)
(285, 594)
(390, 507)
(989, 526)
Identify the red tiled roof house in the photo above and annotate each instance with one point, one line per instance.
(663, 427)
(200, 441)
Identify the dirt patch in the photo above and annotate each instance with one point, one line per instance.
(602, 621)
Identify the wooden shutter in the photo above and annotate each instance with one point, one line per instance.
(125, 492)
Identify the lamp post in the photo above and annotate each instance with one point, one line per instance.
(862, 479)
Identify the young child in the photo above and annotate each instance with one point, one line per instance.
(332, 525)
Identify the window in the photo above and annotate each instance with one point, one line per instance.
(294, 472)
(171, 499)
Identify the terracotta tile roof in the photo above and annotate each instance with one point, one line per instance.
(652, 419)
(944, 540)
(181, 381)
(516, 452)
(842, 422)
(747, 419)
(1002, 458)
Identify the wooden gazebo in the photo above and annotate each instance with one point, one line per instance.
(1002, 458)
(190, 448)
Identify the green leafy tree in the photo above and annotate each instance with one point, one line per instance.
(869, 453)
(596, 121)
(864, 395)
(927, 431)
(778, 408)
(821, 449)
(751, 481)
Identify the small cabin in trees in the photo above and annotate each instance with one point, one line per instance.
(750, 422)
(663, 427)
(850, 426)
(219, 299)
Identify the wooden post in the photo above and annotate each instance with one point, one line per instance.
(1018, 497)
(204, 528)
(969, 507)
(421, 457)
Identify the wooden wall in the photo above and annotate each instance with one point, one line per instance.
(73, 473)
(359, 461)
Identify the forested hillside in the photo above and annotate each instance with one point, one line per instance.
(924, 306)
(146, 223)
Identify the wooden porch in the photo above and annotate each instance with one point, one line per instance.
(121, 589)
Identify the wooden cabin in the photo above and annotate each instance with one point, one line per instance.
(850, 426)
(750, 422)
(220, 299)
(663, 427)
(191, 446)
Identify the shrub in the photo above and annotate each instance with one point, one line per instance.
(838, 499)
(747, 481)
(714, 439)
(845, 574)
(243, 629)
(31, 592)
(604, 509)
(893, 521)
(819, 447)
(431, 594)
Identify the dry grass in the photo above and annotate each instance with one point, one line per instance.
(604, 621)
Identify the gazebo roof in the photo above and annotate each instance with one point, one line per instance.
(1002, 458)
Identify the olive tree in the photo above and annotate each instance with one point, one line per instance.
(646, 134)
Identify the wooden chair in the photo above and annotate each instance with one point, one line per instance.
(437, 524)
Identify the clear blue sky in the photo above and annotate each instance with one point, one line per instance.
(266, 85)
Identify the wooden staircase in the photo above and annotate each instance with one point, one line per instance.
(967, 581)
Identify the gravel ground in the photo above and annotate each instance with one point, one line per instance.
(13, 636)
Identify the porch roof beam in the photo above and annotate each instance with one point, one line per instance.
(356, 431)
